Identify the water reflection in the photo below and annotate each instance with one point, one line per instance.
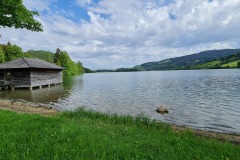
(44, 95)
(202, 99)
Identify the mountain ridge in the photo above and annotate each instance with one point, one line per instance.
(185, 62)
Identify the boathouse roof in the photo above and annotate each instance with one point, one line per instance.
(29, 63)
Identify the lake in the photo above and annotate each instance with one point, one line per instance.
(202, 99)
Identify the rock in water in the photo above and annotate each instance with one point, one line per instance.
(162, 110)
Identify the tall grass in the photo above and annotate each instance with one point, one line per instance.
(91, 135)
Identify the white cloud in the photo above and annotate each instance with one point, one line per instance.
(39, 5)
(84, 3)
(124, 33)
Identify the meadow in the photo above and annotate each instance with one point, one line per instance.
(91, 135)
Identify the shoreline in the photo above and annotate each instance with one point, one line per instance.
(230, 137)
(22, 106)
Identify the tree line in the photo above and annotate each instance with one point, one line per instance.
(14, 14)
(231, 58)
(10, 52)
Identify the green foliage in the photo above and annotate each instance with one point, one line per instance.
(230, 64)
(80, 68)
(104, 70)
(87, 70)
(187, 62)
(238, 64)
(134, 69)
(212, 59)
(91, 135)
(230, 61)
(11, 52)
(212, 64)
(62, 59)
(2, 55)
(40, 54)
(14, 14)
(57, 57)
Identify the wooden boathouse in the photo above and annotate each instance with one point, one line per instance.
(29, 73)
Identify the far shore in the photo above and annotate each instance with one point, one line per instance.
(21, 106)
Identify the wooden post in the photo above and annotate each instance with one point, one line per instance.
(30, 88)
(49, 85)
(40, 87)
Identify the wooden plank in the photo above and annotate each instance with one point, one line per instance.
(45, 77)
(21, 78)
(26, 78)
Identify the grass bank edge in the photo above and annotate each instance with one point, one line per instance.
(136, 132)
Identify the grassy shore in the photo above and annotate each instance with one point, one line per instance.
(90, 135)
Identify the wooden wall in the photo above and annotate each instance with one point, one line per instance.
(44, 77)
(32, 77)
(21, 78)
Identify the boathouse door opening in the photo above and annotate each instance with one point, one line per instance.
(8, 77)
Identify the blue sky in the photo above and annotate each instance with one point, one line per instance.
(106, 34)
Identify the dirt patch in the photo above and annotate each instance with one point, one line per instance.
(21, 106)
(230, 137)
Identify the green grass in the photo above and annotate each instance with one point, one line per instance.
(231, 64)
(213, 64)
(91, 135)
(206, 65)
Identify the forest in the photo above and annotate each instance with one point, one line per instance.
(10, 52)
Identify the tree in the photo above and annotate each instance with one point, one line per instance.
(80, 68)
(14, 14)
(57, 57)
(40, 54)
(61, 58)
(238, 64)
(2, 56)
(66, 62)
(12, 52)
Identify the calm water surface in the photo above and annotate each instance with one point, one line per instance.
(202, 99)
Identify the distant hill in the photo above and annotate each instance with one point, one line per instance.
(87, 70)
(186, 62)
(232, 61)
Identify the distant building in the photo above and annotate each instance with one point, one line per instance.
(29, 73)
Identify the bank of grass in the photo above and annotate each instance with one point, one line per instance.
(90, 135)
(231, 64)
(206, 65)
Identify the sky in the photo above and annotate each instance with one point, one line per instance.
(109, 34)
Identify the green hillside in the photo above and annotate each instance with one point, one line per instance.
(195, 61)
(232, 61)
(206, 65)
(231, 64)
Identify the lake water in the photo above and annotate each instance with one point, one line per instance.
(202, 99)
